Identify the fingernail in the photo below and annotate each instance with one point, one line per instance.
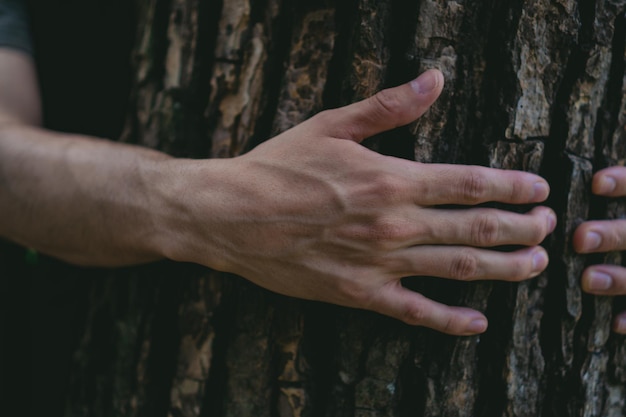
(620, 324)
(426, 82)
(551, 222)
(599, 281)
(540, 261)
(592, 241)
(541, 191)
(477, 326)
(607, 185)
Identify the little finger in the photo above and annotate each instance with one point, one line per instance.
(413, 308)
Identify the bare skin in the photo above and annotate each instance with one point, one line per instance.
(310, 213)
(605, 236)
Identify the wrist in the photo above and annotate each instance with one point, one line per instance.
(190, 197)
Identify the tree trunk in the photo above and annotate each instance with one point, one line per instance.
(536, 85)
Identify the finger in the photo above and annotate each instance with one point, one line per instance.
(610, 182)
(436, 184)
(484, 227)
(600, 236)
(619, 323)
(413, 308)
(604, 280)
(385, 110)
(469, 264)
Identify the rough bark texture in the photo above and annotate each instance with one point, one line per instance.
(538, 85)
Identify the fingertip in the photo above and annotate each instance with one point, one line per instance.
(610, 182)
(552, 221)
(619, 323)
(595, 281)
(603, 184)
(541, 191)
(428, 82)
(477, 326)
(550, 215)
(387, 109)
(587, 241)
(578, 238)
(468, 322)
(540, 261)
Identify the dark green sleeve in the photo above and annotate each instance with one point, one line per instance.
(14, 31)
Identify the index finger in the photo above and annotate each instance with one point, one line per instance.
(469, 185)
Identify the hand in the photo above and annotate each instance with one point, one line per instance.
(605, 236)
(313, 214)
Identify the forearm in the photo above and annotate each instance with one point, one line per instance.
(19, 92)
(83, 200)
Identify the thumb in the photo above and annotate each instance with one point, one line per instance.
(387, 109)
(413, 308)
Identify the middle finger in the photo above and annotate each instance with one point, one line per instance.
(479, 227)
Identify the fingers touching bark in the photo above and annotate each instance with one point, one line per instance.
(607, 280)
(604, 236)
(320, 217)
(610, 182)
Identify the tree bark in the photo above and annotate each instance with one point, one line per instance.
(537, 85)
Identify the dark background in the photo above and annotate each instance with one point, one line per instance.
(82, 50)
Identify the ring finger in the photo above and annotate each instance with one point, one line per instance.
(469, 264)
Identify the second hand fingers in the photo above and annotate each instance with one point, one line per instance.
(619, 323)
(604, 280)
(600, 236)
(610, 182)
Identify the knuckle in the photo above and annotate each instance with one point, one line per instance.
(349, 288)
(450, 326)
(386, 187)
(414, 314)
(464, 266)
(485, 230)
(473, 187)
(379, 189)
(383, 232)
(387, 103)
(324, 117)
(517, 190)
(328, 121)
(385, 263)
